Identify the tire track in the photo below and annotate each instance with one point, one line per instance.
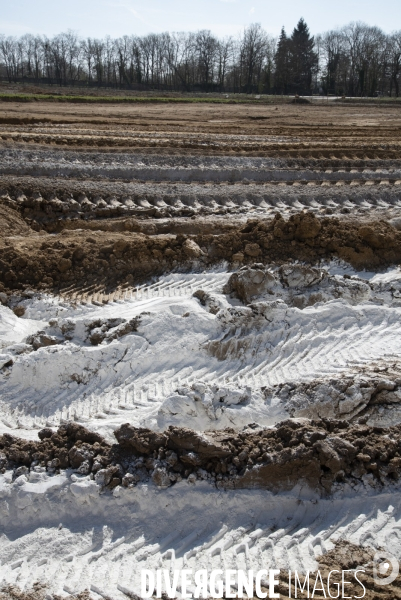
(113, 567)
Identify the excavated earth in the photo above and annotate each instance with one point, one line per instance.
(200, 315)
(75, 259)
(317, 452)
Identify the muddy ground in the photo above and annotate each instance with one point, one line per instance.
(112, 229)
(137, 228)
(107, 197)
(288, 130)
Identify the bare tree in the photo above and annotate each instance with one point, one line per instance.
(225, 55)
(9, 54)
(394, 53)
(355, 60)
(206, 50)
(252, 56)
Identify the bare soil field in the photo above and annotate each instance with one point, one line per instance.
(329, 131)
(200, 316)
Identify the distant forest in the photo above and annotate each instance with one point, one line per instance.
(355, 60)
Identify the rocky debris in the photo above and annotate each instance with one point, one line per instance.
(60, 330)
(19, 311)
(320, 453)
(143, 441)
(252, 250)
(48, 262)
(76, 432)
(96, 331)
(191, 249)
(307, 227)
(304, 234)
(41, 340)
(201, 399)
(296, 276)
(111, 329)
(366, 395)
(161, 477)
(254, 315)
(72, 446)
(6, 360)
(108, 477)
(240, 324)
(209, 301)
(297, 285)
(205, 446)
(251, 282)
(64, 265)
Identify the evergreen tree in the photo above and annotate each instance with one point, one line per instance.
(303, 59)
(282, 62)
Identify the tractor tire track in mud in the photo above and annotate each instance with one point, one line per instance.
(225, 275)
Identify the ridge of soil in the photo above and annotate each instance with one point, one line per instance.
(319, 453)
(73, 257)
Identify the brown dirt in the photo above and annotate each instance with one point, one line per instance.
(37, 592)
(343, 557)
(324, 451)
(311, 130)
(114, 250)
(78, 259)
(12, 224)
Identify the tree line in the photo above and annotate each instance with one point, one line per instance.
(355, 60)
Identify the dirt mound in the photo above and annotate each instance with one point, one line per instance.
(318, 453)
(307, 237)
(11, 223)
(78, 259)
(49, 262)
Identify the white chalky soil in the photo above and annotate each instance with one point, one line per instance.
(61, 530)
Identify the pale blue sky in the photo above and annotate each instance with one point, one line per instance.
(97, 18)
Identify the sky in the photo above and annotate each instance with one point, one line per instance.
(98, 18)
